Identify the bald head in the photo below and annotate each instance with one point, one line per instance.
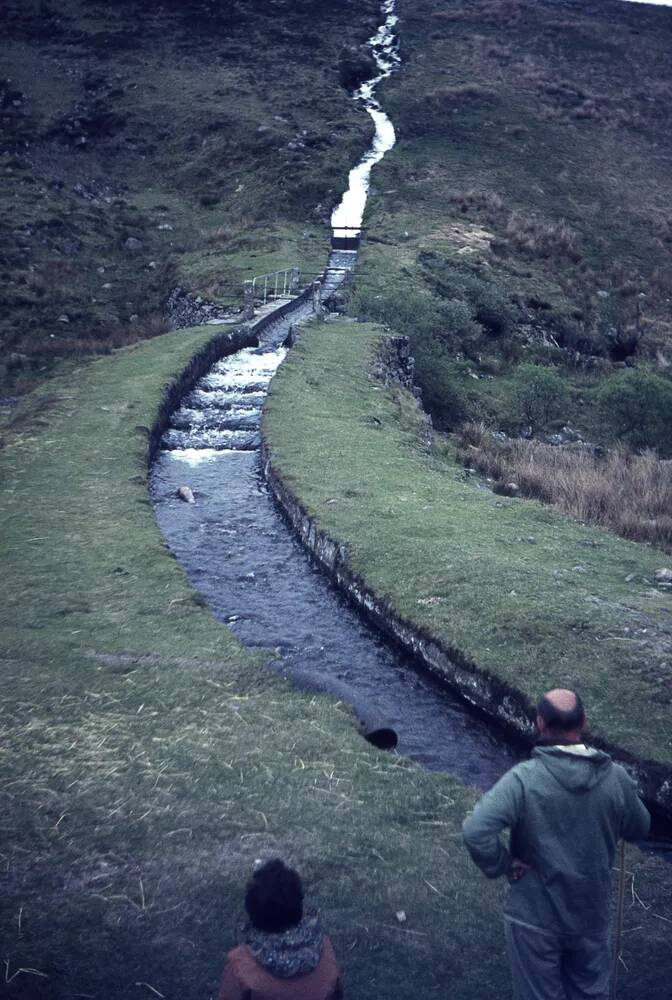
(560, 714)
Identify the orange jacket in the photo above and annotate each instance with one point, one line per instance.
(245, 979)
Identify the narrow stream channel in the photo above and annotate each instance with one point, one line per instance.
(241, 555)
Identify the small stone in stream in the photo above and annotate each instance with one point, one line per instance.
(132, 244)
(63, 319)
(663, 575)
(401, 916)
(579, 569)
(630, 577)
(186, 493)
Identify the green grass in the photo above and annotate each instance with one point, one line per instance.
(147, 759)
(530, 596)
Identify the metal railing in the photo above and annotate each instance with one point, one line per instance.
(276, 284)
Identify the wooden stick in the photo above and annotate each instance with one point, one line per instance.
(618, 932)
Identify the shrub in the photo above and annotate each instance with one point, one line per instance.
(428, 325)
(537, 395)
(439, 378)
(488, 304)
(458, 323)
(405, 310)
(636, 408)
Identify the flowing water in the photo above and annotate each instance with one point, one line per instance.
(242, 556)
(349, 213)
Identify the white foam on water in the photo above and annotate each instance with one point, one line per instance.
(350, 212)
(193, 456)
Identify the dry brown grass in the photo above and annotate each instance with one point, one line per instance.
(481, 200)
(539, 238)
(630, 495)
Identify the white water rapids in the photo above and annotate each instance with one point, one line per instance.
(349, 213)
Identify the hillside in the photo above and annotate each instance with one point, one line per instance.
(146, 147)
(524, 216)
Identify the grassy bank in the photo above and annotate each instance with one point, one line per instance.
(147, 759)
(525, 593)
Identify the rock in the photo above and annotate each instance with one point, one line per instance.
(185, 310)
(63, 318)
(166, 226)
(512, 489)
(132, 244)
(663, 575)
(579, 569)
(401, 916)
(186, 493)
(356, 64)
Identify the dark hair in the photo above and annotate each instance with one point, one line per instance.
(561, 720)
(274, 898)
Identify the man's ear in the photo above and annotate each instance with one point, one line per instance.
(541, 725)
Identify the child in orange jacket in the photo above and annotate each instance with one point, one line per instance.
(286, 955)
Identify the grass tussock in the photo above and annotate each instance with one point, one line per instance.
(534, 237)
(626, 493)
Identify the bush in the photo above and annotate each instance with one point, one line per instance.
(488, 304)
(439, 378)
(458, 323)
(537, 395)
(428, 325)
(636, 408)
(405, 310)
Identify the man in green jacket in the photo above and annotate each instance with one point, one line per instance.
(566, 809)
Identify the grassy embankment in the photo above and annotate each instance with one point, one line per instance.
(523, 219)
(178, 127)
(147, 759)
(525, 593)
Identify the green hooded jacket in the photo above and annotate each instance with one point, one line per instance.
(566, 809)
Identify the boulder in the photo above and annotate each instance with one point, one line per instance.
(663, 575)
(186, 494)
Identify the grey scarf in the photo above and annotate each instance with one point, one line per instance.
(292, 953)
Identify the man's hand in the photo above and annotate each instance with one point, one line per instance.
(518, 869)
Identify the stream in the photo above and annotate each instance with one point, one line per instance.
(243, 558)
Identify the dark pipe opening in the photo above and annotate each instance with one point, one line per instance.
(381, 736)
